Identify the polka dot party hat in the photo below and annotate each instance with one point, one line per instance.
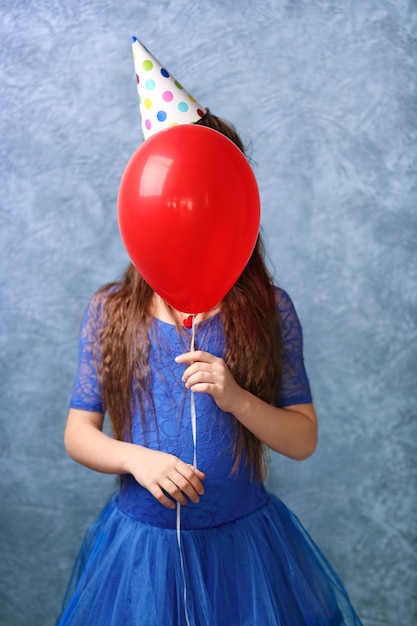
(163, 101)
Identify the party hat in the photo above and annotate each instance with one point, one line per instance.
(163, 101)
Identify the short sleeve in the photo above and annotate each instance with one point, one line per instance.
(295, 386)
(87, 390)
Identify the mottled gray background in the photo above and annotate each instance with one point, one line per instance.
(325, 93)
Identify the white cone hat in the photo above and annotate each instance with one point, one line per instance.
(163, 102)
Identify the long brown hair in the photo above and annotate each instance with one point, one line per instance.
(251, 329)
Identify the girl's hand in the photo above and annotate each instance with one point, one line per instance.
(165, 476)
(208, 374)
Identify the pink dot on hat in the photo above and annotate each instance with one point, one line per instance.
(148, 124)
(167, 96)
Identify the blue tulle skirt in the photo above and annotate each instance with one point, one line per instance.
(260, 570)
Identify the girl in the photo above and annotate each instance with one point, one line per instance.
(241, 557)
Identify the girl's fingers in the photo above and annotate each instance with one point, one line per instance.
(182, 483)
(177, 489)
(174, 491)
(169, 479)
(194, 378)
(162, 498)
(203, 369)
(201, 475)
(190, 481)
(197, 355)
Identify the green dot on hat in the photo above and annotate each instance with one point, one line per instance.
(147, 65)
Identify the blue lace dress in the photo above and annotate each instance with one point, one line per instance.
(243, 558)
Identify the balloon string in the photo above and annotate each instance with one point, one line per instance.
(193, 413)
(182, 562)
(194, 431)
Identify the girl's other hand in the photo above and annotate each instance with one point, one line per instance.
(208, 374)
(166, 477)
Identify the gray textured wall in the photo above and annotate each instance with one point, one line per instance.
(326, 93)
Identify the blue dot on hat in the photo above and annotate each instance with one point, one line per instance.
(183, 107)
(161, 116)
(150, 84)
(164, 73)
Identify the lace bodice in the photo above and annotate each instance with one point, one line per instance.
(227, 496)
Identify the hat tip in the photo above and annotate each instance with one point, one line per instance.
(134, 39)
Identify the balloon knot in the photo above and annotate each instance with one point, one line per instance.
(188, 322)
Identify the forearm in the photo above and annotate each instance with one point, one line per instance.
(87, 444)
(161, 473)
(291, 431)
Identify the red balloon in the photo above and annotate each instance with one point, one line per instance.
(189, 211)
